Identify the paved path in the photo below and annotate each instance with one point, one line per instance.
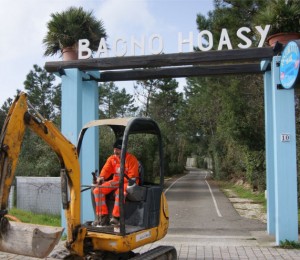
(200, 208)
(204, 225)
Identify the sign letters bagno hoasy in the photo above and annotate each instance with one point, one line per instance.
(155, 43)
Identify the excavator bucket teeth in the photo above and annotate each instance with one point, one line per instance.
(28, 239)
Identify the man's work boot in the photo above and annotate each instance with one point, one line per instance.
(114, 221)
(104, 220)
(101, 221)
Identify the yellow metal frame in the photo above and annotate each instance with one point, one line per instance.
(121, 244)
(12, 136)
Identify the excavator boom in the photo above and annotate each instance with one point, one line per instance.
(32, 240)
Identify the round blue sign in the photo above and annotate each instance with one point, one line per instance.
(289, 65)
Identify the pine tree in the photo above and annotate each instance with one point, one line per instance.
(36, 158)
(115, 103)
(43, 94)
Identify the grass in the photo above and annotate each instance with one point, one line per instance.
(33, 218)
(243, 192)
(287, 244)
(258, 197)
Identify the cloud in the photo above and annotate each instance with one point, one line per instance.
(23, 27)
(124, 17)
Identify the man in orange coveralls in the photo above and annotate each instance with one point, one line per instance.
(112, 166)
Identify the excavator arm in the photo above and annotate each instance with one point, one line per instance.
(11, 139)
(40, 240)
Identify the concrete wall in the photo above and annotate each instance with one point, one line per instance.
(11, 197)
(208, 162)
(191, 162)
(39, 194)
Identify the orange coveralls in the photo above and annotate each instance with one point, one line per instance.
(112, 166)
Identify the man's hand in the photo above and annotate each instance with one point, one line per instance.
(95, 177)
(100, 180)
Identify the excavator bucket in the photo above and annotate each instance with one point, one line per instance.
(27, 239)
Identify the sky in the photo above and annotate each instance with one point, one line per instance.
(24, 25)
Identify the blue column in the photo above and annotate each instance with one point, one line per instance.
(79, 106)
(269, 148)
(90, 146)
(285, 170)
(71, 119)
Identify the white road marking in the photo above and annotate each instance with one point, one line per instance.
(211, 193)
(172, 184)
(214, 200)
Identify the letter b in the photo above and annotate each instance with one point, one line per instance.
(84, 52)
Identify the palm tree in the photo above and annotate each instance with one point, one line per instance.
(284, 18)
(66, 28)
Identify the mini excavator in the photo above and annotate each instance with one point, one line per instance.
(144, 214)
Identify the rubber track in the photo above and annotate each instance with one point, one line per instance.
(160, 252)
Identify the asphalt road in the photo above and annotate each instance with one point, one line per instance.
(199, 210)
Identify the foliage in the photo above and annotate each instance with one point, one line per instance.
(145, 148)
(107, 140)
(229, 126)
(287, 244)
(164, 104)
(243, 192)
(226, 113)
(255, 165)
(66, 28)
(33, 218)
(36, 157)
(3, 111)
(282, 15)
(231, 14)
(144, 90)
(115, 103)
(42, 93)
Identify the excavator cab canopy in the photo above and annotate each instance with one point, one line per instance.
(122, 128)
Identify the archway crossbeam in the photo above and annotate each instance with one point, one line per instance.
(173, 65)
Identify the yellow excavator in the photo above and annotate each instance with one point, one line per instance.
(144, 212)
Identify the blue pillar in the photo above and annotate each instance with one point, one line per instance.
(79, 106)
(71, 119)
(71, 93)
(285, 170)
(269, 147)
(90, 146)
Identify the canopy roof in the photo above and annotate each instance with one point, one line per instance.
(128, 125)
